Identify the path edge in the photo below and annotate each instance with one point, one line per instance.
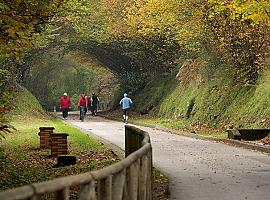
(196, 136)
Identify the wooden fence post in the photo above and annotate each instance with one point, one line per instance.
(133, 180)
(62, 194)
(88, 191)
(105, 188)
(133, 140)
(143, 177)
(118, 185)
(150, 175)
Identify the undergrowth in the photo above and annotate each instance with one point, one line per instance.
(220, 102)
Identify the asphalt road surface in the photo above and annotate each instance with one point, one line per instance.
(197, 169)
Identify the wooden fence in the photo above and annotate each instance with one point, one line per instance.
(129, 179)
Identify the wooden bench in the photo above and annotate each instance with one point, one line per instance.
(247, 134)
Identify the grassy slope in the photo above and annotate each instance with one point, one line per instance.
(24, 162)
(219, 102)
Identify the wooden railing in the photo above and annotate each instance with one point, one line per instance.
(129, 179)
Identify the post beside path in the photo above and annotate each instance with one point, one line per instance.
(45, 137)
(59, 144)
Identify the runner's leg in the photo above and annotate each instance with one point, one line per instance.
(126, 115)
(80, 112)
(65, 113)
(95, 110)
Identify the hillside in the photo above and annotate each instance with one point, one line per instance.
(26, 106)
(219, 102)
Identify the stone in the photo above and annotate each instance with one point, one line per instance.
(63, 161)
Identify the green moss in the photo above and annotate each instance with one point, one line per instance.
(219, 102)
(153, 94)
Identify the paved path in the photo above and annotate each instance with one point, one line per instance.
(198, 169)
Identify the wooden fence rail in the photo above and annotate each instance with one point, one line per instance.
(129, 179)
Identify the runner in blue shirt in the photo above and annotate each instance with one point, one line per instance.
(125, 103)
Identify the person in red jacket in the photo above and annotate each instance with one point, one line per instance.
(65, 104)
(83, 103)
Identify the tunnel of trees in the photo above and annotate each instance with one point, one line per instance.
(111, 46)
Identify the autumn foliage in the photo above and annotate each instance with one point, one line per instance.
(138, 39)
(173, 28)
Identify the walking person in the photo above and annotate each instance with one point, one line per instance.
(94, 104)
(82, 105)
(65, 104)
(125, 103)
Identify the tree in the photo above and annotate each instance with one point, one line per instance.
(242, 28)
(22, 21)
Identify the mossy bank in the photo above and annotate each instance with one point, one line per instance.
(201, 101)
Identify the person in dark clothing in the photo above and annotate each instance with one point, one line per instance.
(94, 104)
(65, 104)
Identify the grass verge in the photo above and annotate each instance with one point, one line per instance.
(23, 162)
(160, 186)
